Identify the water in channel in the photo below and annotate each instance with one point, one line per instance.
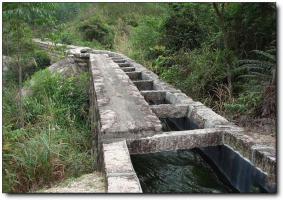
(182, 171)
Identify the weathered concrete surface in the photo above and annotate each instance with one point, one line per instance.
(134, 75)
(262, 156)
(123, 184)
(123, 110)
(171, 141)
(119, 171)
(124, 64)
(118, 60)
(116, 158)
(204, 117)
(128, 69)
(169, 110)
(154, 96)
(144, 84)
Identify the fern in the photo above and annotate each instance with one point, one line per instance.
(261, 69)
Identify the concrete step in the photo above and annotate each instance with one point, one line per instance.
(128, 69)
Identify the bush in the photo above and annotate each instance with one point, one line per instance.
(196, 73)
(235, 108)
(146, 35)
(42, 59)
(182, 29)
(96, 29)
(246, 103)
(67, 38)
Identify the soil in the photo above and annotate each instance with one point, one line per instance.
(87, 183)
(263, 130)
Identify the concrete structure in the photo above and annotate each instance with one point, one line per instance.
(126, 101)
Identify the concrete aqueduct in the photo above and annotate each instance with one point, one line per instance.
(127, 102)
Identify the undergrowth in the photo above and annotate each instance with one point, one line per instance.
(55, 142)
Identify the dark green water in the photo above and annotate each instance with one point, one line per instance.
(182, 171)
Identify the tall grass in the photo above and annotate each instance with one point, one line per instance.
(55, 142)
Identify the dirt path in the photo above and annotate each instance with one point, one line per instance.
(88, 183)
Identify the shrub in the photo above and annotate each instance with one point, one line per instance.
(67, 38)
(196, 73)
(146, 35)
(235, 108)
(96, 29)
(42, 59)
(247, 103)
(182, 29)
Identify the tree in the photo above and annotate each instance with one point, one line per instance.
(219, 9)
(17, 18)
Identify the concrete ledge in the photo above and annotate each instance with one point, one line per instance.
(261, 156)
(171, 141)
(116, 158)
(119, 171)
(123, 184)
(178, 98)
(205, 117)
(264, 157)
(239, 142)
(128, 69)
(169, 110)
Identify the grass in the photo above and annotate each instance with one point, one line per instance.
(55, 142)
(121, 18)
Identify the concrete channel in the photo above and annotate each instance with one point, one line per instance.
(128, 103)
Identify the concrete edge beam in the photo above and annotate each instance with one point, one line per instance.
(129, 69)
(169, 110)
(205, 117)
(261, 156)
(119, 171)
(171, 141)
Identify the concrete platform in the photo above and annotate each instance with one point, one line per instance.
(123, 111)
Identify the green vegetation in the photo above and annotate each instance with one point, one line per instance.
(55, 141)
(46, 134)
(222, 54)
